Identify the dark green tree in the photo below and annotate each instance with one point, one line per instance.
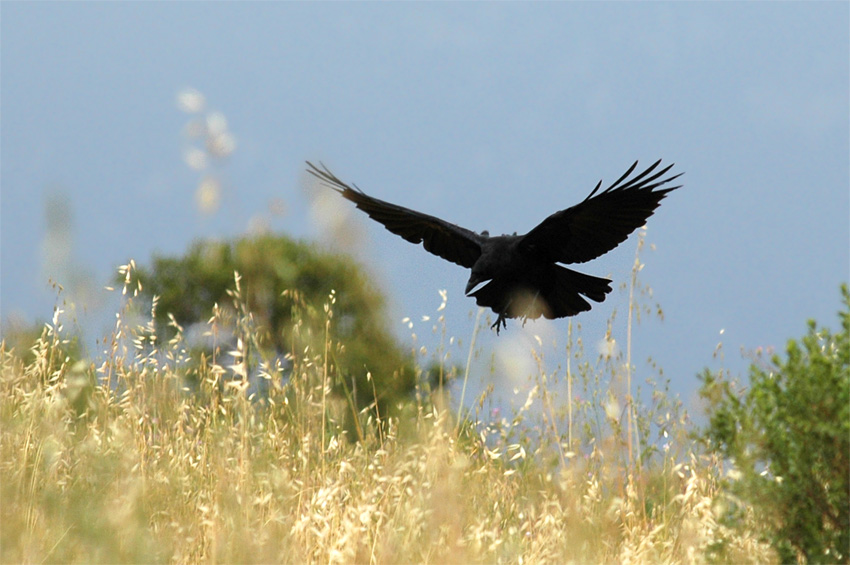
(788, 436)
(274, 270)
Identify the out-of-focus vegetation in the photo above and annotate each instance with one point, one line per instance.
(118, 460)
(284, 287)
(788, 436)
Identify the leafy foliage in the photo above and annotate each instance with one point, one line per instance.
(789, 439)
(281, 277)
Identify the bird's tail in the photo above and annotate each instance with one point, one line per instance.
(559, 292)
(566, 297)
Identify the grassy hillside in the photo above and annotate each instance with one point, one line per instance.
(118, 462)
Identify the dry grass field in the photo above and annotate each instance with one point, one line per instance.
(123, 461)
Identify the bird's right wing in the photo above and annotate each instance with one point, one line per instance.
(452, 243)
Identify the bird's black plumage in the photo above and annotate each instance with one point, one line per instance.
(519, 276)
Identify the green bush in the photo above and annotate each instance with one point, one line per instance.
(788, 438)
(286, 288)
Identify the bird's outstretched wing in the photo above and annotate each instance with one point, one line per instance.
(452, 243)
(601, 221)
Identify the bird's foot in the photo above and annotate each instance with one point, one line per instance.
(500, 321)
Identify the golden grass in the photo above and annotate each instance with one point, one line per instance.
(120, 462)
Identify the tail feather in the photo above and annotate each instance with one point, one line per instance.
(560, 292)
(566, 296)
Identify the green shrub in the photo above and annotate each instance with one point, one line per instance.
(788, 437)
(285, 281)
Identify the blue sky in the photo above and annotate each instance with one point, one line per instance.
(490, 115)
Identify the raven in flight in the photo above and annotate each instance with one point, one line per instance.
(519, 276)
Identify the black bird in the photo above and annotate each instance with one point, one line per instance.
(519, 275)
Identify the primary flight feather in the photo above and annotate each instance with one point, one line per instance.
(519, 276)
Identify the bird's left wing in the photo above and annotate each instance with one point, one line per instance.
(601, 221)
(452, 243)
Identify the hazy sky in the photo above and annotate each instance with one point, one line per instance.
(491, 115)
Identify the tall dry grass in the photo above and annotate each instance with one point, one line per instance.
(153, 455)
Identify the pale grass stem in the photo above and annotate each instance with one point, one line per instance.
(476, 327)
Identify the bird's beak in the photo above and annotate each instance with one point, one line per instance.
(474, 283)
